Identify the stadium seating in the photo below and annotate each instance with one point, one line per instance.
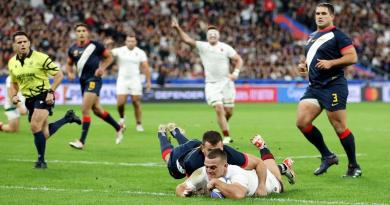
(269, 52)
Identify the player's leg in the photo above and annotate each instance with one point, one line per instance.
(13, 122)
(100, 112)
(229, 95)
(121, 103)
(338, 119)
(177, 133)
(228, 112)
(89, 99)
(284, 168)
(222, 122)
(69, 117)
(38, 119)
(308, 110)
(136, 100)
(165, 145)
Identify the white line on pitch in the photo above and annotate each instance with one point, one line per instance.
(318, 156)
(127, 164)
(282, 200)
(145, 164)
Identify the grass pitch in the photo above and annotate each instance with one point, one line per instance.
(133, 172)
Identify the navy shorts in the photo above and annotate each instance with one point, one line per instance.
(331, 97)
(178, 153)
(37, 102)
(93, 85)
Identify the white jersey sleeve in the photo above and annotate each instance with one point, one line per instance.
(143, 56)
(247, 179)
(197, 180)
(230, 51)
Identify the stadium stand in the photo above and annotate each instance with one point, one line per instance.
(269, 52)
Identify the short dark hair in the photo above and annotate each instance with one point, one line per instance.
(131, 35)
(327, 5)
(212, 27)
(81, 25)
(215, 153)
(20, 33)
(212, 137)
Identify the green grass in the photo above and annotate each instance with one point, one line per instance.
(68, 181)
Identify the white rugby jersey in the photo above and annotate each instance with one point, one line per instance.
(234, 174)
(215, 59)
(129, 61)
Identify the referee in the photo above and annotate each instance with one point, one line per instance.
(29, 71)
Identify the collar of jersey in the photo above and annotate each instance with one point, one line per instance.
(327, 29)
(27, 56)
(83, 45)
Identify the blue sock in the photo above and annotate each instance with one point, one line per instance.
(181, 139)
(107, 117)
(53, 127)
(40, 144)
(165, 145)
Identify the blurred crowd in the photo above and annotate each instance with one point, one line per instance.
(269, 52)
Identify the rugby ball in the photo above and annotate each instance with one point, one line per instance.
(215, 193)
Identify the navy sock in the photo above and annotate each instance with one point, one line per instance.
(40, 144)
(181, 139)
(315, 137)
(265, 153)
(107, 118)
(85, 128)
(53, 127)
(165, 146)
(348, 141)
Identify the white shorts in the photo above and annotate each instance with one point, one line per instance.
(272, 184)
(128, 87)
(222, 92)
(12, 114)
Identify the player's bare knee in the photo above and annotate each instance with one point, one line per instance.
(35, 127)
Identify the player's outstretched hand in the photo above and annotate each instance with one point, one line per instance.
(174, 23)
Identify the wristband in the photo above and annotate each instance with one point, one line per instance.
(51, 91)
(236, 72)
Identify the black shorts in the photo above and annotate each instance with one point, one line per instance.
(38, 102)
(93, 85)
(331, 97)
(174, 167)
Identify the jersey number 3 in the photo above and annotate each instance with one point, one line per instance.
(335, 99)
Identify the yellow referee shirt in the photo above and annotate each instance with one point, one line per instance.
(32, 73)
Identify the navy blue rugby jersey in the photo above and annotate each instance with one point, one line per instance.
(87, 58)
(326, 44)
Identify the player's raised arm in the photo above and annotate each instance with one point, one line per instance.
(183, 35)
